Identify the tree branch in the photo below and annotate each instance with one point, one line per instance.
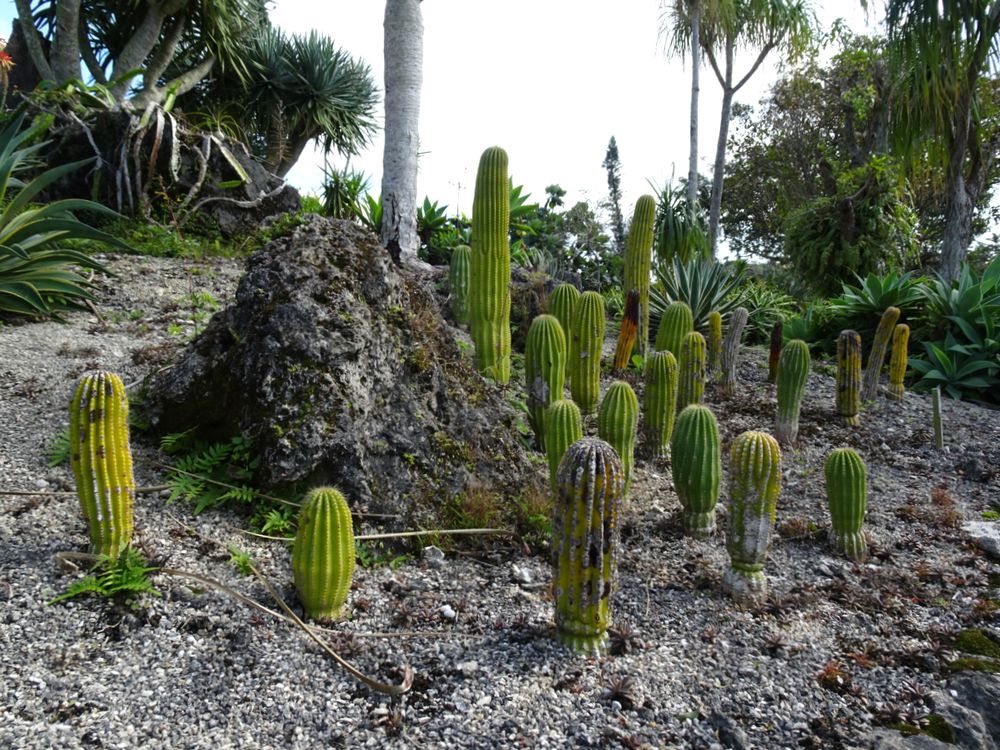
(753, 69)
(33, 40)
(87, 53)
(165, 53)
(715, 66)
(137, 49)
(182, 83)
(65, 52)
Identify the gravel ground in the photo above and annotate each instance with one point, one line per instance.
(838, 650)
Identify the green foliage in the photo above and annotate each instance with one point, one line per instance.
(704, 285)
(677, 237)
(377, 554)
(241, 560)
(343, 191)
(232, 463)
(122, 577)
(58, 450)
(860, 307)
(962, 370)
(766, 305)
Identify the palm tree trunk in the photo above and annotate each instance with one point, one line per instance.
(959, 204)
(692, 186)
(715, 209)
(404, 31)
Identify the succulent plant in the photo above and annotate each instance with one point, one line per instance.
(563, 427)
(586, 341)
(627, 332)
(691, 370)
(638, 252)
(323, 554)
(849, 377)
(777, 333)
(458, 283)
(618, 421)
(489, 278)
(696, 462)
(876, 357)
(562, 302)
(847, 495)
(101, 460)
(659, 402)
(714, 343)
(897, 362)
(677, 320)
(585, 543)
(731, 350)
(754, 485)
(793, 372)
(544, 370)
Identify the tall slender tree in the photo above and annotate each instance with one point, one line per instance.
(613, 165)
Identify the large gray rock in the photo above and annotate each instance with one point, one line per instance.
(339, 369)
(986, 535)
(980, 692)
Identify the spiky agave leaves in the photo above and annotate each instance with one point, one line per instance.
(101, 460)
(618, 421)
(793, 373)
(323, 554)
(897, 362)
(848, 398)
(586, 341)
(591, 483)
(847, 496)
(696, 463)
(676, 321)
(659, 402)
(563, 427)
(638, 255)
(458, 283)
(876, 357)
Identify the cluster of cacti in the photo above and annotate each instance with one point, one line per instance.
(714, 343)
(563, 427)
(849, 377)
(876, 357)
(676, 321)
(458, 283)
(754, 484)
(323, 554)
(847, 496)
(627, 332)
(691, 370)
(897, 362)
(544, 370)
(638, 252)
(585, 543)
(659, 402)
(696, 463)
(777, 338)
(101, 460)
(793, 372)
(586, 340)
(489, 279)
(731, 350)
(618, 421)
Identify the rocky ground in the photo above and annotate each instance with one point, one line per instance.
(841, 655)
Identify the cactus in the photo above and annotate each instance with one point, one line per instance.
(754, 484)
(638, 252)
(777, 332)
(936, 418)
(586, 340)
(847, 496)
(676, 321)
(897, 362)
(876, 357)
(102, 461)
(849, 377)
(617, 423)
(714, 344)
(489, 278)
(562, 302)
(793, 372)
(659, 402)
(697, 465)
(731, 350)
(585, 543)
(458, 283)
(323, 554)
(563, 427)
(627, 332)
(691, 370)
(544, 370)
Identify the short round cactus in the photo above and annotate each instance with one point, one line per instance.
(563, 427)
(323, 554)
(659, 403)
(697, 467)
(847, 495)
(675, 322)
(617, 422)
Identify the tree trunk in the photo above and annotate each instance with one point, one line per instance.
(692, 186)
(404, 31)
(959, 205)
(728, 91)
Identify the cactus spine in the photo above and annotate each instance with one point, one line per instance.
(847, 495)
(849, 377)
(489, 279)
(659, 402)
(638, 252)
(323, 554)
(696, 463)
(714, 344)
(586, 340)
(754, 484)
(563, 427)
(691, 370)
(793, 372)
(731, 350)
(585, 543)
(102, 461)
(458, 283)
(627, 332)
(617, 423)
(675, 323)
(777, 332)
(544, 370)
(869, 384)
(897, 362)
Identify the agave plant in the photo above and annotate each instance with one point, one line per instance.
(703, 284)
(961, 370)
(860, 307)
(679, 236)
(968, 301)
(766, 305)
(342, 192)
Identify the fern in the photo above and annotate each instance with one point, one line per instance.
(58, 452)
(124, 576)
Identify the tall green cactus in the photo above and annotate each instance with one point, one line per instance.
(731, 350)
(563, 427)
(618, 421)
(793, 373)
(489, 279)
(659, 402)
(897, 362)
(849, 377)
(102, 460)
(777, 338)
(847, 496)
(323, 554)
(586, 341)
(691, 370)
(754, 484)
(714, 342)
(458, 283)
(876, 357)
(676, 321)
(562, 302)
(638, 252)
(585, 543)
(696, 462)
(544, 370)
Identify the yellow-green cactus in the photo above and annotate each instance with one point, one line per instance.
(677, 320)
(544, 370)
(897, 362)
(849, 377)
(638, 253)
(696, 462)
(793, 373)
(847, 496)
(458, 283)
(586, 341)
(618, 421)
(323, 554)
(562, 302)
(659, 402)
(876, 357)
(563, 427)
(691, 370)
